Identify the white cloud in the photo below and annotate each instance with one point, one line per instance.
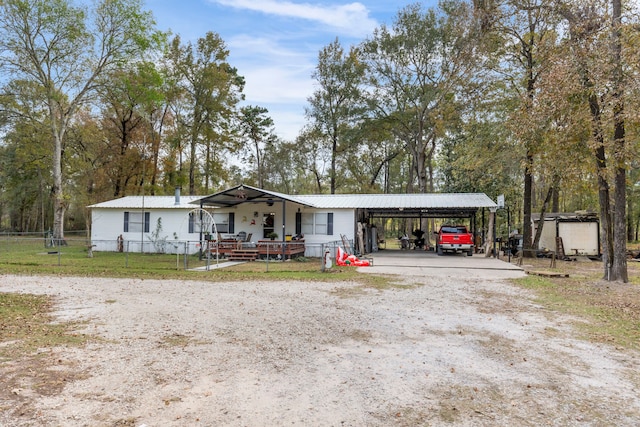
(351, 18)
(276, 78)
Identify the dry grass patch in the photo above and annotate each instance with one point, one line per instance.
(610, 311)
(29, 343)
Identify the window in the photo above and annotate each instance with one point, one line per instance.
(307, 223)
(315, 223)
(224, 223)
(133, 222)
(321, 223)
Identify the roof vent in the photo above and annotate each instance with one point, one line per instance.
(177, 195)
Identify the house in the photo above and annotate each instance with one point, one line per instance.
(182, 223)
(145, 224)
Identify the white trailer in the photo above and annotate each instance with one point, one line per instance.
(580, 233)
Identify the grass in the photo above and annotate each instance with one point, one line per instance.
(26, 322)
(606, 312)
(29, 256)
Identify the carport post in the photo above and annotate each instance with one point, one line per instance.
(284, 237)
(495, 217)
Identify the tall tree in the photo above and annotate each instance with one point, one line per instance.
(413, 72)
(523, 27)
(57, 47)
(257, 128)
(619, 264)
(335, 105)
(591, 40)
(210, 89)
(130, 98)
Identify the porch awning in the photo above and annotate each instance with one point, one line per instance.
(246, 194)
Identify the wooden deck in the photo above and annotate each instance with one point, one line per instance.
(243, 255)
(275, 248)
(238, 251)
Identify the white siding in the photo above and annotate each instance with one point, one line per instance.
(108, 224)
(579, 236)
(548, 237)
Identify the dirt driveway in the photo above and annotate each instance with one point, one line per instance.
(451, 346)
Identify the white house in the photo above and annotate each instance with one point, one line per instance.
(155, 223)
(181, 223)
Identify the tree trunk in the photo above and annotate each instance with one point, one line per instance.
(192, 163)
(488, 244)
(606, 230)
(543, 211)
(526, 207)
(619, 264)
(334, 154)
(630, 225)
(555, 204)
(59, 202)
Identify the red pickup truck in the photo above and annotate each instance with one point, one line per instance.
(454, 238)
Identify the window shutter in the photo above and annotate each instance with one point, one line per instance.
(147, 217)
(126, 222)
(330, 223)
(298, 222)
(191, 222)
(232, 222)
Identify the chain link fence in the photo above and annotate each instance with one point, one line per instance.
(41, 250)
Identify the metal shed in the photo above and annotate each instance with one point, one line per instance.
(580, 232)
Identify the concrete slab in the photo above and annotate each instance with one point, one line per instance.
(215, 266)
(423, 263)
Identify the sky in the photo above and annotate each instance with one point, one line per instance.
(274, 44)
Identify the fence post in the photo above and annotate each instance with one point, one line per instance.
(186, 248)
(267, 262)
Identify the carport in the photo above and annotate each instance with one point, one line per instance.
(435, 205)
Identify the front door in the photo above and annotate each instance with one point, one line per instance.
(268, 221)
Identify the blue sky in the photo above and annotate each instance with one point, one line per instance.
(274, 44)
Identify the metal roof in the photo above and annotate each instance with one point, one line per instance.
(400, 201)
(148, 202)
(375, 205)
(246, 194)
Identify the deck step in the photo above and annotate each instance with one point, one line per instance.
(243, 255)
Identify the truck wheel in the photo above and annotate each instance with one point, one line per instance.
(470, 253)
(439, 250)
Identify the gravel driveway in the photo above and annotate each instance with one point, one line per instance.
(457, 347)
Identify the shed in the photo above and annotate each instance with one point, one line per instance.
(580, 232)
